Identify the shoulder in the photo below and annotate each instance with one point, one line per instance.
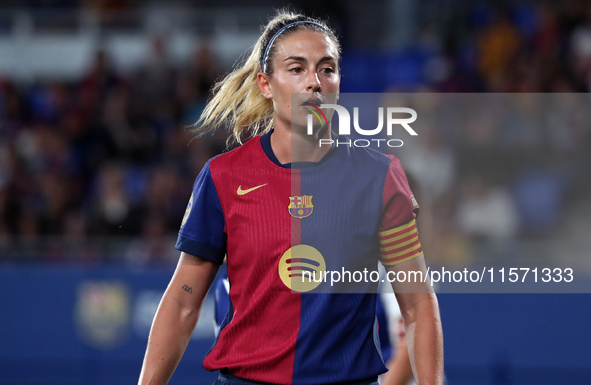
(366, 156)
(245, 156)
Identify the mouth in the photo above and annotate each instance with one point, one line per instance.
(312, 102)
(313, 106)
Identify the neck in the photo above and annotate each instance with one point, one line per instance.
(290, 146)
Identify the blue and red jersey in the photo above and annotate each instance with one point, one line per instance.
(275, 222)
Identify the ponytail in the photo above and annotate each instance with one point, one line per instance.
(237, 99)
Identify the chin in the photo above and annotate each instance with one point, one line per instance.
(318, 131)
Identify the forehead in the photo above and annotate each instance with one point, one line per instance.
(307, 43)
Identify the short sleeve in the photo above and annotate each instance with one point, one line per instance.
(202, 230)
(399, 238)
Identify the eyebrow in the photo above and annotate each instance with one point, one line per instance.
(303, 59)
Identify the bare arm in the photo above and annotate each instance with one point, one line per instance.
(420, 311)
(176, 318)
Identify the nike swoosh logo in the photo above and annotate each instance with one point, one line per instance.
(244, 192)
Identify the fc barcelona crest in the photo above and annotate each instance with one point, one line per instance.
(103, 313)
(300, 206)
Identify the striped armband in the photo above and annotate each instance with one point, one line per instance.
(400, 244)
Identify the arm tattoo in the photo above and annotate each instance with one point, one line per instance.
(188, 289)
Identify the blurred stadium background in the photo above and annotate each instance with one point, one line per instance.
(96, 169)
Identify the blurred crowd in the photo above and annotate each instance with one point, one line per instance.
(530, 46)
(490, 169)
(110, 156)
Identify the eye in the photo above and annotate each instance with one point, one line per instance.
(296, 70)
(327, 70)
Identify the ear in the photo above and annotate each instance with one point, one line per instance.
(264, 86)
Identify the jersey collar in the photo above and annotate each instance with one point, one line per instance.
(266, 145)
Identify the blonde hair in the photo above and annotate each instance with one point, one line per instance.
(237, 99)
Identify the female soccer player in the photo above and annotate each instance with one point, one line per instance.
(280, 206)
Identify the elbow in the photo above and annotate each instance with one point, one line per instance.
(421, 305)
(186, 314)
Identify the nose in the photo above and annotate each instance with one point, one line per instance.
(313, 82)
